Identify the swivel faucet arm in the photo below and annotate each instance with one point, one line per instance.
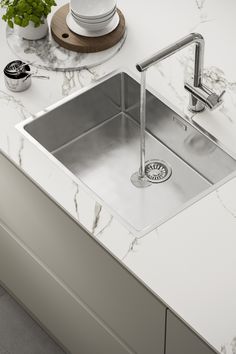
(200, 95)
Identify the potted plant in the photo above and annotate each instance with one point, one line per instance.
(30, 16)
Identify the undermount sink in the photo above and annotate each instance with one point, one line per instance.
(95, 135)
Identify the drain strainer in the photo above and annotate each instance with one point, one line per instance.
(157, 171)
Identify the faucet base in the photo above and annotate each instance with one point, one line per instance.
(201, 96)
(196, 108)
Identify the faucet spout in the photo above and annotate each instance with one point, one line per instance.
(198, 97)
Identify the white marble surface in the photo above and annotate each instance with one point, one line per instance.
(190, 260)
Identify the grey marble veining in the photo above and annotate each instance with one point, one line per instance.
(97, 212)
(229, 348)
(16, 103)
(224, 204)
(74, 80)
(104, 228)
(47, 54)
(75, 199)
(135, 243)
(132, 245)
(204, 17)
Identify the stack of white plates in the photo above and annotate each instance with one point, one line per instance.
(92, 17)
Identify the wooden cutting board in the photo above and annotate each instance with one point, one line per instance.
(72, 41)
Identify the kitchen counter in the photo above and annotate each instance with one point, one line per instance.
(190, 260)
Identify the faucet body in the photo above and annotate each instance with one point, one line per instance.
(200, 95)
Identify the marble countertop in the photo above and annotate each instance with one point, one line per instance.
(191, 268)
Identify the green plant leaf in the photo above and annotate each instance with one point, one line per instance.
(25, 22)
(21, 12)
(17, 20)
(10, 23)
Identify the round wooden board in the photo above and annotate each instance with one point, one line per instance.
(72, 41)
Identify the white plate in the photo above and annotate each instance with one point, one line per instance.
(74, 27)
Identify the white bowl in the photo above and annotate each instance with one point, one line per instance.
(93, 20)
(74, 27)
(97, 26)
(98, 17)
(92, 8)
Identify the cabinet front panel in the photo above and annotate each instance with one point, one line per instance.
(182, 340)
(99, 280)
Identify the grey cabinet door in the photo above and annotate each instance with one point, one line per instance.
(44, 297)
(94, 277)
(182, 340)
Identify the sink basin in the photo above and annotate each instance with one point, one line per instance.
(95, 135)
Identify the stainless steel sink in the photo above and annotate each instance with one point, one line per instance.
(95, 135)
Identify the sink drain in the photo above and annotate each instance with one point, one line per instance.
(157, 171)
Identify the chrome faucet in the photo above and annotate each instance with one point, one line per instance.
(200, 95)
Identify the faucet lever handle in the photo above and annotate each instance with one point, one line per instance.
(221, 95)
(202, 96)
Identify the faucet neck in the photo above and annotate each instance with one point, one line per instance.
(200, 95)
(195, 104)
(198, 62)
(175, 47)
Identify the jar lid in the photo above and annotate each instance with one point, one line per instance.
(16, 69)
